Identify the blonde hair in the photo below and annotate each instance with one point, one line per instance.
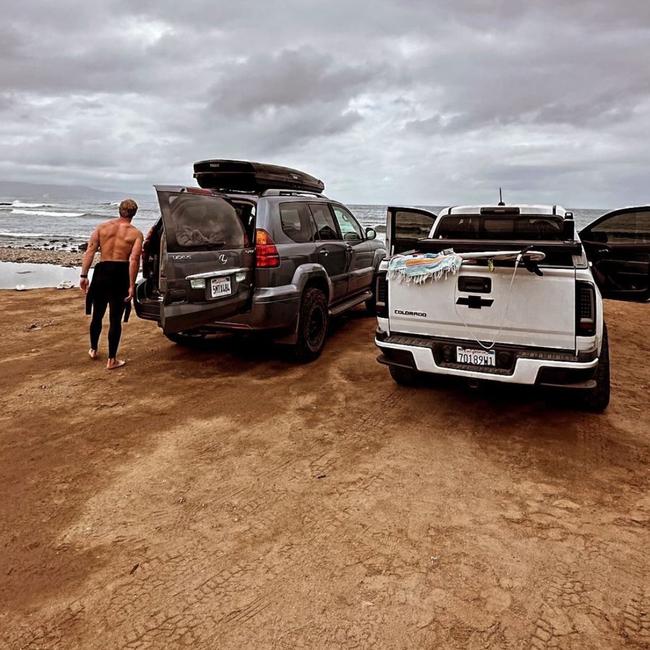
(128, 208)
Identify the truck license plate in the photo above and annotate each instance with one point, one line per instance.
(476, 357)
(220, 287)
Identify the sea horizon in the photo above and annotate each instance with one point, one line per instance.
(64, 224)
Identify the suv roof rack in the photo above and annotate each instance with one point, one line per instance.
(280, 192)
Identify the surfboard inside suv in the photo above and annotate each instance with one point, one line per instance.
(526, 305)
(257, 248)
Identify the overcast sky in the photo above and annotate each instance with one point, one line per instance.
(417, 101)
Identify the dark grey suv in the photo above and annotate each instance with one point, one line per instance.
(274, 260)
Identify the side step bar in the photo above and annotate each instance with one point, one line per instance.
(351, 302)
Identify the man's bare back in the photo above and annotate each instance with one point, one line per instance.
(118, 241)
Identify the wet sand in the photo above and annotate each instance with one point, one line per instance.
(225, 497)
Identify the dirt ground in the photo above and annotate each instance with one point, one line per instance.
(226, 498)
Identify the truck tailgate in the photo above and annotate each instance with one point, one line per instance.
(533, 311)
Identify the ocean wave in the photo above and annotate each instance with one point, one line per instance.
(47, 213)
(21, 204)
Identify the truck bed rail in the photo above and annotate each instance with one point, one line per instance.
(549, 247)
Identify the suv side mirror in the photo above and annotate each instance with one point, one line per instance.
(371, 233)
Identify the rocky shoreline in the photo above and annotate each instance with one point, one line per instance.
(39, 256)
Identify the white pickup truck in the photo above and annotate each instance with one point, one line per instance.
(532, 319)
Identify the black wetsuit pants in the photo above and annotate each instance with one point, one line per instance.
(109, 288)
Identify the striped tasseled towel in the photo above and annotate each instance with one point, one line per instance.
(419, 268)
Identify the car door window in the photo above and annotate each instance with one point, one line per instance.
(296, 222)
(407, 227)
(624, 228)
(325, 225)
(348, 225)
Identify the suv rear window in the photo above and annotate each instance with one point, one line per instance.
(296, 221)
(195, 222)
(525, 226)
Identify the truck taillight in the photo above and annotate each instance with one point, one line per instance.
(266, 252)
(381, 295)
(585, 309)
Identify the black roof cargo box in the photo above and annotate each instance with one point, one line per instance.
(253, 177)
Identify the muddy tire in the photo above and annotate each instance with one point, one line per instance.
(404, 376)
(312, 326)
(596, 399)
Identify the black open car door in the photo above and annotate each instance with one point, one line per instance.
(405, 226)
(618, 246)
(207, 262)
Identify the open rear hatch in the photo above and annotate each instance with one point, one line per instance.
(207, 264)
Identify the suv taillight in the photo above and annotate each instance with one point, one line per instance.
(266, 252)
(585, 309)
(381, 295)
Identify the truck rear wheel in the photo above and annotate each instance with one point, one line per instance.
(404, 376)
(312, 325)
(596, 399)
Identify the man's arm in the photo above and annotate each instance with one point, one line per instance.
(91, 249)
(134, 265)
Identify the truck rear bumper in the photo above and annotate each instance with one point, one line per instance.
(524, 369)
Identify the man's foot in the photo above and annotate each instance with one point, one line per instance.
(93, 354)
(114, 363)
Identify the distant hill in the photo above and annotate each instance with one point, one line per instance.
(20, 190)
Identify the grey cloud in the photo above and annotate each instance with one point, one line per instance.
(288, 78)
(416, 101)
(536, 75)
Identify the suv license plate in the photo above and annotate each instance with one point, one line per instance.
(476, 357)
(220, 287)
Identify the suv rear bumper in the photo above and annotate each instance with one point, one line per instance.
(523, 366)
(271, 308)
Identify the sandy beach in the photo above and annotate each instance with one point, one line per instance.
(224, 497)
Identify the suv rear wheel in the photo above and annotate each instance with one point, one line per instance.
(596, 399)
(312, 325)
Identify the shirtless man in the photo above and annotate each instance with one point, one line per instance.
(113, 285)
